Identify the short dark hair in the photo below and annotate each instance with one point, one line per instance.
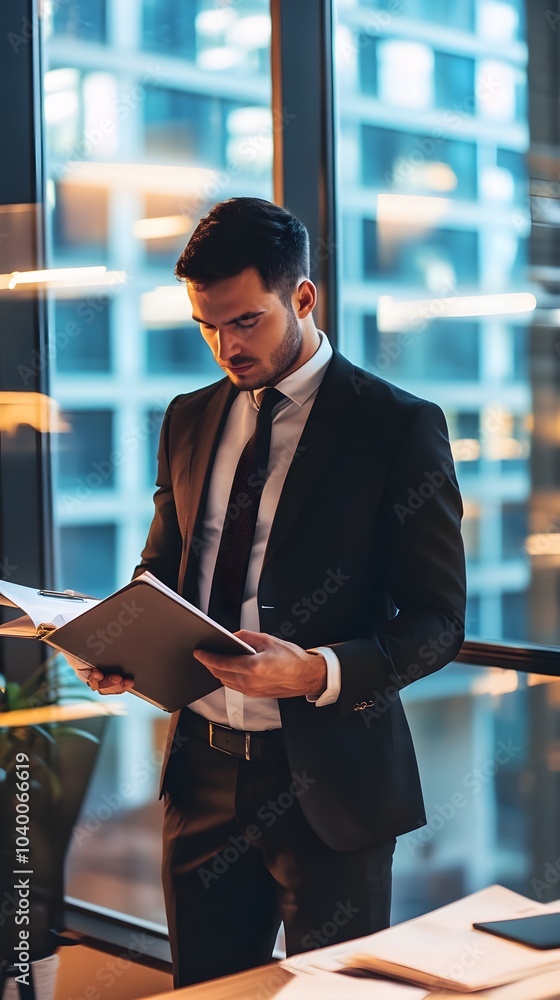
(247, 232)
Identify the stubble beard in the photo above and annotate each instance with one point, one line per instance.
(282, 358)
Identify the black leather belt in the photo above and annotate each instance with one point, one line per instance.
(236, 742)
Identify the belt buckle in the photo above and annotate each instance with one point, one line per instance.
(211, 728)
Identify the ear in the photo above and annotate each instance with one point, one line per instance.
(305, 298)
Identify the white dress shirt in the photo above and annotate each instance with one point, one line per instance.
(224, 706)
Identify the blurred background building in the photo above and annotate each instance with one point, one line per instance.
(156, 110)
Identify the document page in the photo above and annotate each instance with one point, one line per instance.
(441, 949)
(42, 609)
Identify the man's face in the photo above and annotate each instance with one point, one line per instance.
(253, 337)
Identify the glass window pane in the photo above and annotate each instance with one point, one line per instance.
(433, 197)
(178, 349)
(82, 340)
(413, 163)
(84, 445)
(83, 19)
(433, 205)
(88, 553)
(135, 156)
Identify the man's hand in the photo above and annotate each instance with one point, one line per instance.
(111, 684)
(279, 669)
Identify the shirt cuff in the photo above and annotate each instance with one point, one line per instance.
(332, 690)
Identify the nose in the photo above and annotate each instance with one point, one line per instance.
(227, 346)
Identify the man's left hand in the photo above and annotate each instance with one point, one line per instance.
(278, 669)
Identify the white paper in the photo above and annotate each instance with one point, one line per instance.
(545, 987)
(55, 611)
(333, 987)
(443, 943)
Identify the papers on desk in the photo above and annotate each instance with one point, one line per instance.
(333, 986)
(441, 949)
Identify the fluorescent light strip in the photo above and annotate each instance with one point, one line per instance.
(161, 227)
(62, 277)
(394, 315)
(543, 544)
(159, 178)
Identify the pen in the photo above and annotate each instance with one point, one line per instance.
(69, 595)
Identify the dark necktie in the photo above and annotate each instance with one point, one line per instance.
(232, 562)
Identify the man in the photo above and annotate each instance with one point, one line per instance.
(316, 506)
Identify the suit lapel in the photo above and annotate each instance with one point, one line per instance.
(323, 436)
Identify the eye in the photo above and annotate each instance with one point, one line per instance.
(246, 326)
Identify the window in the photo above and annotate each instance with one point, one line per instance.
(169, 27)
(153, 422)
(178, 349)
(439, 351)
(84, 449)
(432, 197)
(134, 158)
(82, 337)
(83, 19)
(417, 163)
(89, 557)
(418, 258)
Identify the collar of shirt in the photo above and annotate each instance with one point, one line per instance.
(302, 383)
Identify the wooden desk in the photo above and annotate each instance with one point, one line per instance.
(256, 984)
(267, 981)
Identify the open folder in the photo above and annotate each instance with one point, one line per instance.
(145, 631)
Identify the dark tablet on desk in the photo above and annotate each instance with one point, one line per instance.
(542, 931)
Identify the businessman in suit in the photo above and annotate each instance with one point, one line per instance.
(313, 509)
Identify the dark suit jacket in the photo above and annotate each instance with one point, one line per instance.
(365, 555)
